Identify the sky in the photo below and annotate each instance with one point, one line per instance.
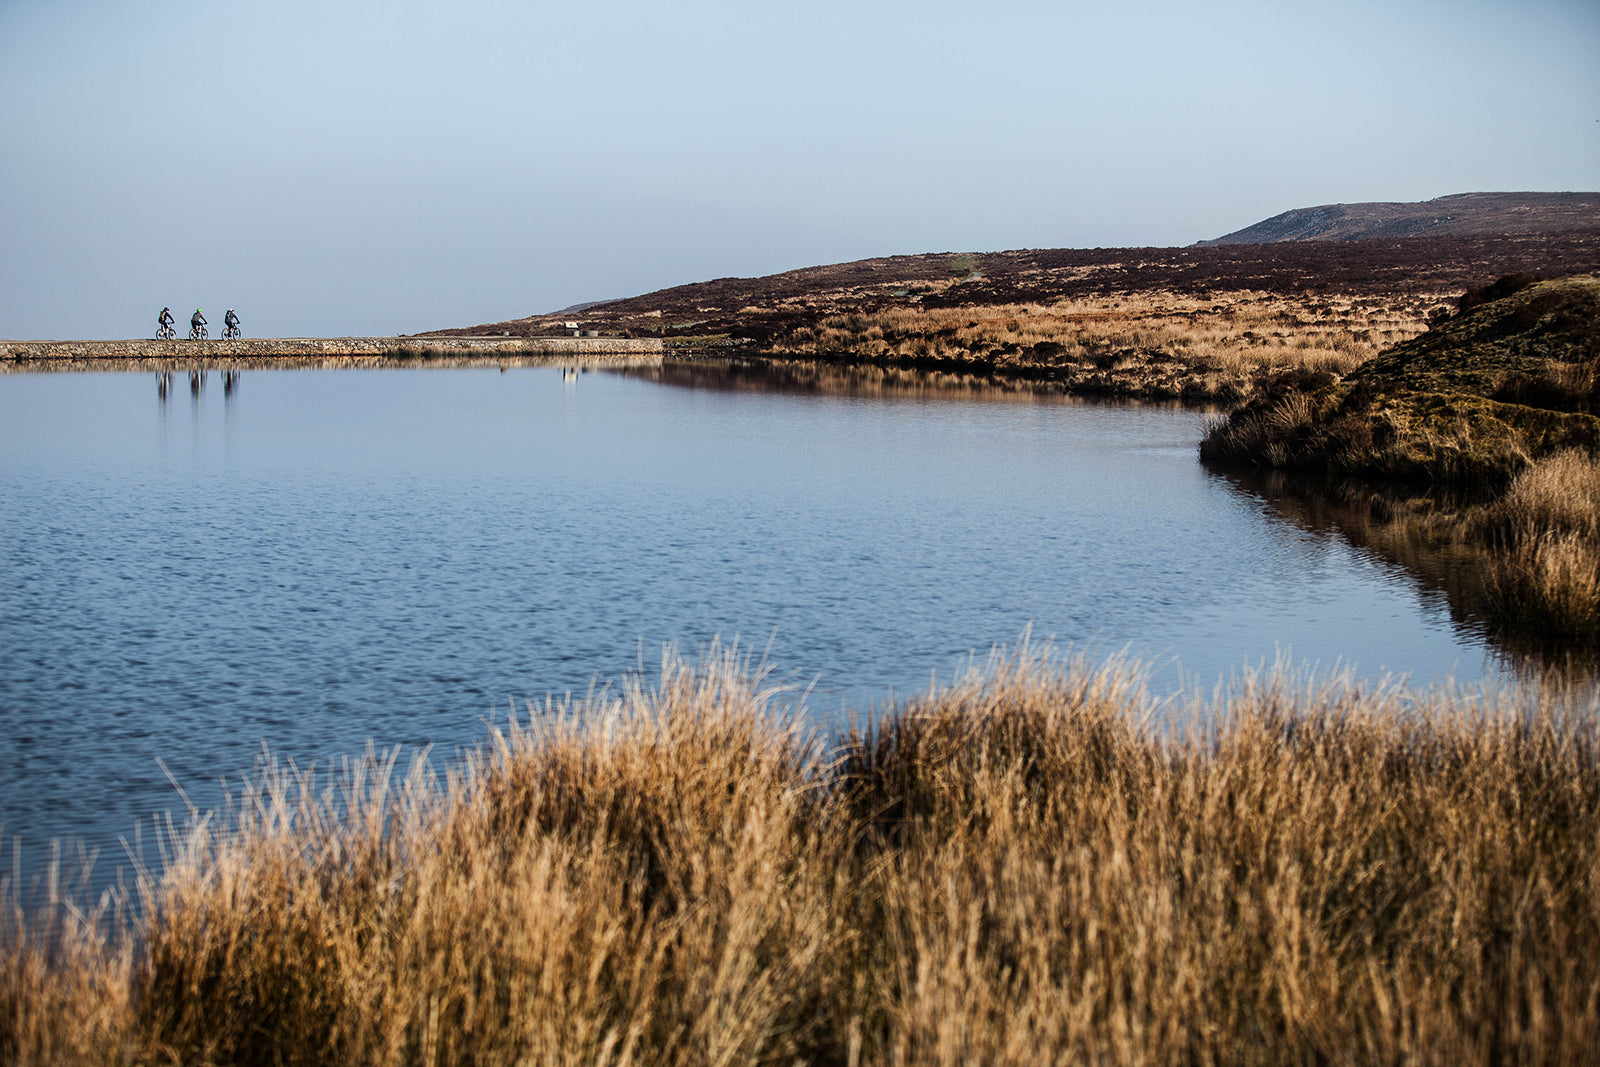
(357, 167)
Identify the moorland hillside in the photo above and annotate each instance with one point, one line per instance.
(767, 313)
(1218, 324)
(1510, 378)
(1455, 215)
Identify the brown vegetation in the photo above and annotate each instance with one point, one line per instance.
(1546, 529)
(1510, 379)
(1019, 869)
(1224, 346)
(755, 311)
(1503, 397)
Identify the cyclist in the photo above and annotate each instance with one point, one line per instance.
(231, 321)
(196, 321)
(165, 321)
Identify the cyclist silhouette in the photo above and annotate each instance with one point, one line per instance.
(164, 323)
(197, 320)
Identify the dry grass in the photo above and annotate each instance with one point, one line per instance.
(67, 979)
(1546, 529)
(1018, 869)
(1526, 559)
(1559, 494)
(1221, 346)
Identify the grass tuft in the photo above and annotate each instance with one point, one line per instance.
(1019, 868)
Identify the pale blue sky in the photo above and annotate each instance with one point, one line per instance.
(379, 167)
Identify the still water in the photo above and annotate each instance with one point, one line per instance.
(311, 559)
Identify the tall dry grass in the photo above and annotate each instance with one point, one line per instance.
(1018, 869)
(1546, 531)
(1217, 346)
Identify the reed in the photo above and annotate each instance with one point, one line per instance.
(1022, 867)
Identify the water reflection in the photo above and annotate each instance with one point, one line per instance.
(337, 556)
(1409, 530)
(1413, 531)
(198, 377)
(806, 378)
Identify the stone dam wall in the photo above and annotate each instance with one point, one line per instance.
(324, 351)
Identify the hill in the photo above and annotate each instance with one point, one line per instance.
(1512, 377)
(762, 313)
(1213, 323)
(1456, 215)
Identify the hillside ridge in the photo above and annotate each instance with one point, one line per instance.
(1458, 214)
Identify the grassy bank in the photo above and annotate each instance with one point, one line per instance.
(1503, 383)
(1504, 398)
(1017, 869)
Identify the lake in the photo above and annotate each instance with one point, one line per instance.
(307, 560)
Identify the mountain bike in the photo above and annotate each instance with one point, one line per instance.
(165, 332)
(197, 333)
(231, 333)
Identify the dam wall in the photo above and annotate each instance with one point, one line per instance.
(323, 352)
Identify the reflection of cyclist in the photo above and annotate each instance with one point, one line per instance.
(166, 320)
(197, 320)
(230, 320)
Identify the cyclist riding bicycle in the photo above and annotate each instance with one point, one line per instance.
(166, 318)
(230, 320)
(197, 320)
